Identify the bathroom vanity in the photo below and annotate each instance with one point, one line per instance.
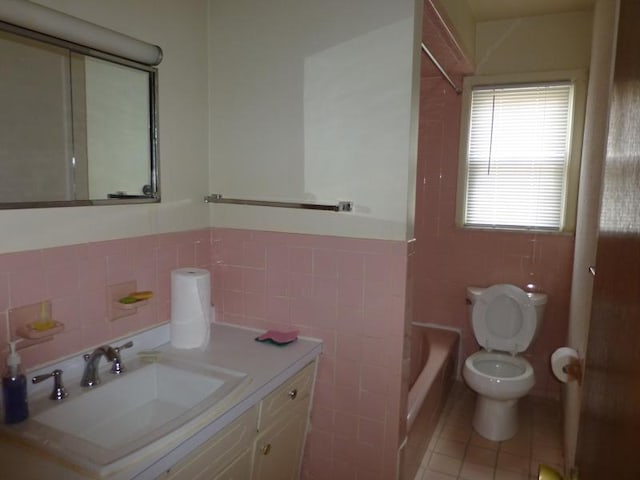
(266, 440)
(255, 430)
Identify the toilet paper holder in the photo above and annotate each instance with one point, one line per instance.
(566, 365)
(573, 369)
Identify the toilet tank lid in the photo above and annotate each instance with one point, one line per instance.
(536, 298)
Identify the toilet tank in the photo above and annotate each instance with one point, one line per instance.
(539, 301)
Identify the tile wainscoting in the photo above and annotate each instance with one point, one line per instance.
(349, 292)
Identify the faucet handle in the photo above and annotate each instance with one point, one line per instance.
(117, 367)
(58, 392)
(129, 344)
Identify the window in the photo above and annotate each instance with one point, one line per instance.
(517, 170)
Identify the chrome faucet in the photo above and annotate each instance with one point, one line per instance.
(59, 392)
(90, 376)
(117, 367)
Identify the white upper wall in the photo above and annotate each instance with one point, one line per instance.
(551, 42)
(180, 28)
(315, 101)
(309, 101)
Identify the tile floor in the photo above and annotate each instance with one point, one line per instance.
(456, 452)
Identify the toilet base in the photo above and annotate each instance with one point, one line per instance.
(495, 420)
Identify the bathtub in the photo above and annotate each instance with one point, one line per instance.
(432, 371)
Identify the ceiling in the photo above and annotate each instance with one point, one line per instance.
(484, 10)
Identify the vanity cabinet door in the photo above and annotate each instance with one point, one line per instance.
(240, 468)
(282, 427)
(224, 452)
(278, 450)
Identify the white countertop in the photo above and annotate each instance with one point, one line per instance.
(267, 365)
(231, 347)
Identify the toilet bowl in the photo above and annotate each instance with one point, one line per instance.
(505, 321)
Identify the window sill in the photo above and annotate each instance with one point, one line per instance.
(525, 231)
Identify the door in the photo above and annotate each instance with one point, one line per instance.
(603, 46)
(608, 435)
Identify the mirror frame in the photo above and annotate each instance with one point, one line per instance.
(154, 167)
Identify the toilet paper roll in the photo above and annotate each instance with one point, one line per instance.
(190, 308)
(561, 358)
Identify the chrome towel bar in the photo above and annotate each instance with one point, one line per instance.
(341, 206)
(440, 68)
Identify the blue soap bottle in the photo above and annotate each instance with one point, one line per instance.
(14, 388)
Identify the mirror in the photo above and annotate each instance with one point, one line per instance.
(77, 127)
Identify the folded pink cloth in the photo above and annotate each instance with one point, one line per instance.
(278, 338)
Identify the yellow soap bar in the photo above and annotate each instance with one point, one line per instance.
(144, 295)
(128, 300)
(43, 325)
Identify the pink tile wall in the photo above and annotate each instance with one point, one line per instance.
(75, 278)
(351, 294)
(449, 259)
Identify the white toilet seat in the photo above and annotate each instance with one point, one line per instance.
(496, 414)
(504, 319)
(499, 365)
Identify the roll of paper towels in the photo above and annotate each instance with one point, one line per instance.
(561, 358)
(190, 308)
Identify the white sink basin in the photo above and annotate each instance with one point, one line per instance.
(144, 405)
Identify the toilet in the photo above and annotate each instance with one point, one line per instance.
(505, 322)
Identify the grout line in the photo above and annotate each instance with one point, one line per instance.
(532, 414)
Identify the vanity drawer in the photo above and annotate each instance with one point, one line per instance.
(293, 394)
(218, 453)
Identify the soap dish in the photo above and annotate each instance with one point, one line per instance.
(27, 331)
(130, 306)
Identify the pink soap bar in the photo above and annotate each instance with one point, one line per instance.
(280, 338)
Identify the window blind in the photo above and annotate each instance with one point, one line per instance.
(517, 157)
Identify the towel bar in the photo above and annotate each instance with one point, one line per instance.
(342, 206)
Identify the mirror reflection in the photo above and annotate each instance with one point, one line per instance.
(75, 129)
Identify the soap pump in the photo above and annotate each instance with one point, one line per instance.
(14, 388)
